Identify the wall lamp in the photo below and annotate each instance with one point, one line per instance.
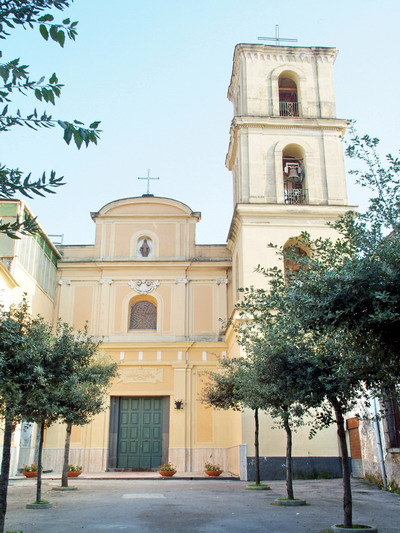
(178, 404)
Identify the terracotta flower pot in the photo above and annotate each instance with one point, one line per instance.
(213, 473)
(74, 473)
(167, 473)
(29, 473)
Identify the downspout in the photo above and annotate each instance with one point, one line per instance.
(379, 444)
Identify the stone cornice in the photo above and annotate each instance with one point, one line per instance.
(177, 345)
(287, 215)
(192, 218)
(144, 286)
(109, 264)
(306, 210)
(278, 54)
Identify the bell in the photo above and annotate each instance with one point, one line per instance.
(293, 173)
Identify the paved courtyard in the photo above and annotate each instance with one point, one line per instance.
(193, 505)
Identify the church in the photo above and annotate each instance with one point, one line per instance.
(157, 300)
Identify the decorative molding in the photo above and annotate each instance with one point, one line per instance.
(291, 58)
(182, 280)
(64, 282)
(141, 374)
(102, 281)
(299, 126)
(143, 286)
(222, 281)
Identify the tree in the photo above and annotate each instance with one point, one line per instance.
(82, 395)
(15, 76)
(50, 373)
(353, 283)
(38, 372)
(23, 344)
(280, 371)
(273, 344)
(234, 387)
(302, 368)
(270, 376)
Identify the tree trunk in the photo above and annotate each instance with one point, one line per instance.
(347, 498)
(64, 477)
(39, 474)
(36, 453)
(257, 446)
(5, 469)
(289, 459)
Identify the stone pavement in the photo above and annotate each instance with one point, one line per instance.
(178, 505)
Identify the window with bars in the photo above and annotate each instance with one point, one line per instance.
(288, 98)
(391, 421)
(143, 315)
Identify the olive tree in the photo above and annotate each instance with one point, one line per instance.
(82, 394)
(24, 346)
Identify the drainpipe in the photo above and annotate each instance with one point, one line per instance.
(379, 444)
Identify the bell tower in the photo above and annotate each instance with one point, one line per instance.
(285, 151)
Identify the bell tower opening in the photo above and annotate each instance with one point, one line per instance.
(293, 174)
(288, 95)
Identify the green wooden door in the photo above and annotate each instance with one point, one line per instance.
(140, 433)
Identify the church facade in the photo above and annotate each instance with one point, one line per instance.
(158, 300)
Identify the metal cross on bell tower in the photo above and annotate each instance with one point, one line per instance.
(148, 178)
(277, 39)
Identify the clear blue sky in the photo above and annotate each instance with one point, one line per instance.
(156, 74)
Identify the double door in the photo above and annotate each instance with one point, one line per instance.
(139, 433)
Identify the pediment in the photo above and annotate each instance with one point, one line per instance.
(144, 206)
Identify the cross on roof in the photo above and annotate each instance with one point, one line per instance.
(277, 39)
(148, 178)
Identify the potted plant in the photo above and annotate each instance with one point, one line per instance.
(212, 470)
(167, 470)
(74, 471)
(30, 470)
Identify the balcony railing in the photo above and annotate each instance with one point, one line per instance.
(295, 196)
(289, 109)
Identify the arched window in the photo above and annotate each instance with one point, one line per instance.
(288, 97)
(143, 315)
(293, 174)
(292, 257)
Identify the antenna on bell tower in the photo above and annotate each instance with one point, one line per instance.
(277, 39)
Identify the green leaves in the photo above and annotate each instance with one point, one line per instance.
(381, 176)
(15, 77)
(13, 181)
(44, 32)
(47, 377)
(46, 18)
(86, 377)
(78, 134)
(60, 38)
